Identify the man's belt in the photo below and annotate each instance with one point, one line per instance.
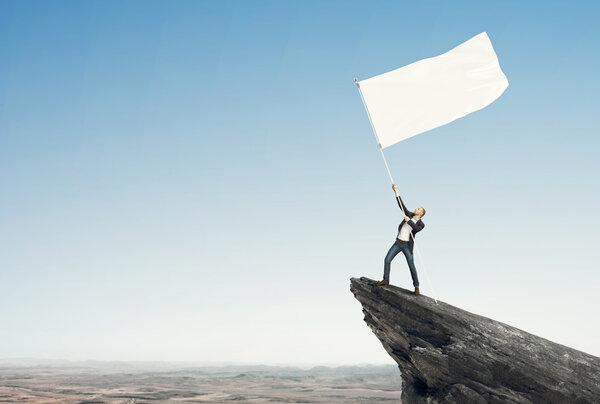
(401, 241)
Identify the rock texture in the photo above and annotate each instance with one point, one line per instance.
(448, 355)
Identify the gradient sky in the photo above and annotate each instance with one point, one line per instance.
(199, 180)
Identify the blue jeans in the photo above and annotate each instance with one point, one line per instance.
(394, 250)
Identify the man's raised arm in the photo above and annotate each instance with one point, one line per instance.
(400, 203)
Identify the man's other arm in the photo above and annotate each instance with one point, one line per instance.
(417, 225)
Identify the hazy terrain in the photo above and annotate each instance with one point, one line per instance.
(49, 381)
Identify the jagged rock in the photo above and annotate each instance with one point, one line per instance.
(448, 355)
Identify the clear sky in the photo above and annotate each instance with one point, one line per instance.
(199, 180)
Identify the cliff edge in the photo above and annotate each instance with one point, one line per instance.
(448, 355)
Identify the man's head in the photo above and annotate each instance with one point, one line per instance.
(420, 211)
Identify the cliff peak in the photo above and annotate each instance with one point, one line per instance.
(449, 355)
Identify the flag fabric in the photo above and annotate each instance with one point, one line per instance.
(433, 92)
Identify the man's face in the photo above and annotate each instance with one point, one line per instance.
(419, 211)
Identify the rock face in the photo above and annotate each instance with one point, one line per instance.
(448, 355)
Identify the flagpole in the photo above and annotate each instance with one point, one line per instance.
(374, 131)
(391, 178)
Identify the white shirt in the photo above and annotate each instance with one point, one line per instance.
(404, 233)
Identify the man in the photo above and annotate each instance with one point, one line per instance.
(405, 241)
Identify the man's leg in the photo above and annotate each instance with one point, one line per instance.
(411, 264)
(387, 262)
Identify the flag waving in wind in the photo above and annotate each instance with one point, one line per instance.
(433, 92)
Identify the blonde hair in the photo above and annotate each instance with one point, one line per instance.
(424, 211)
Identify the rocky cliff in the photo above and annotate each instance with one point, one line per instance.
(448, 355)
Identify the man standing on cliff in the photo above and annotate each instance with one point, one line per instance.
(405, 241)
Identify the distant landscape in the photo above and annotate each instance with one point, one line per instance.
(95, 382)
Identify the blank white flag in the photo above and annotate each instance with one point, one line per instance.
(433, 92)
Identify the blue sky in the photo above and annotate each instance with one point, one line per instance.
(199, 180)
